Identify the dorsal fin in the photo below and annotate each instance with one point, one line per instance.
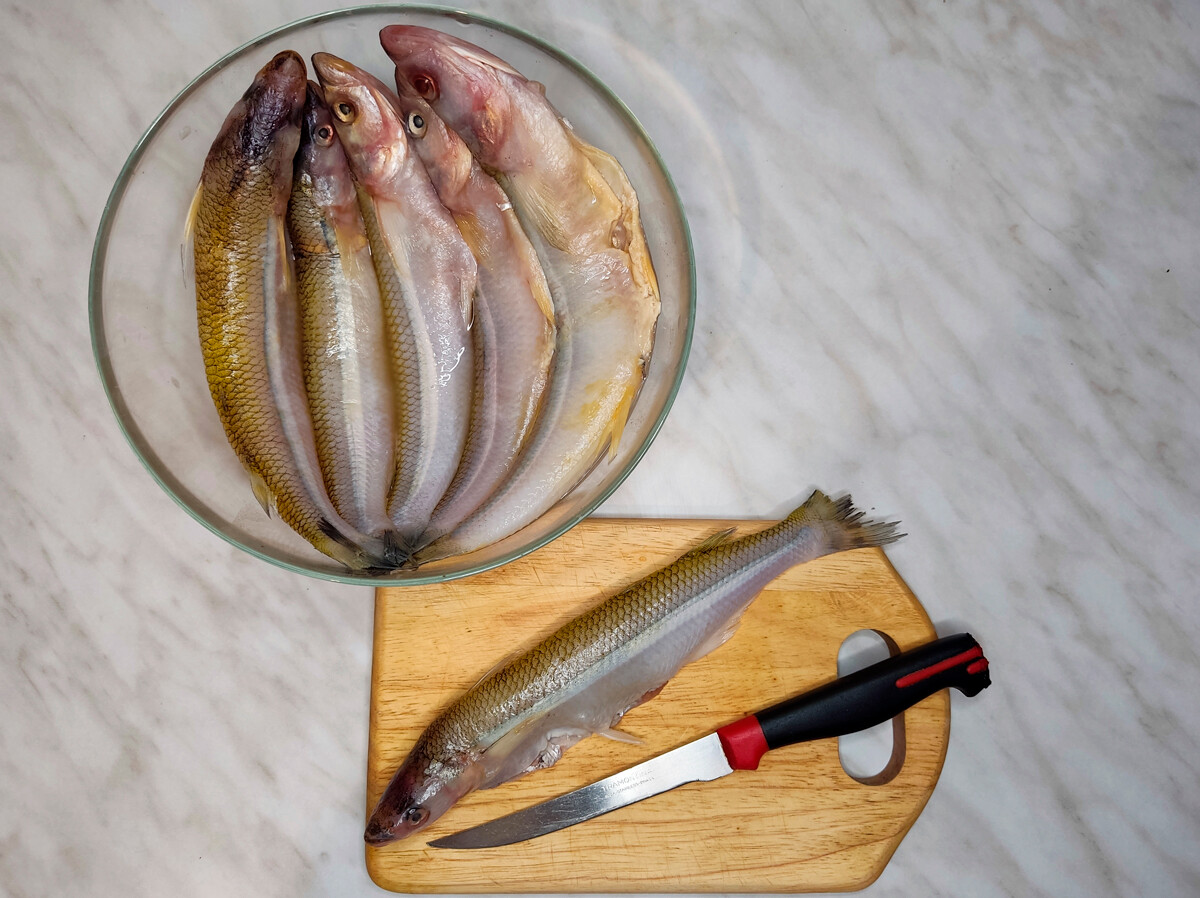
(511, 656)
(719, 538)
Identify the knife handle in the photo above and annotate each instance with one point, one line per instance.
(860, 700)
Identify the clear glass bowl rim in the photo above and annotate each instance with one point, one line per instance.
(95, 315)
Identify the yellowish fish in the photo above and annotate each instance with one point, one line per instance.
(247, 314)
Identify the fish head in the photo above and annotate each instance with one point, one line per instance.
(320, 158)
(365, 116)
(263, 127)
(423, 789)
(446, 157)
(471, 90)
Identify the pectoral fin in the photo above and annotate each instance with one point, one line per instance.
(262, 492)
(187, 249)
(619, 736)
(627, 233)
(715, 640)
(532, 265)
(533, 745)
(189, 227)
(620, 417)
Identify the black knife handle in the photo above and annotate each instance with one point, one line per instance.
(860, 700)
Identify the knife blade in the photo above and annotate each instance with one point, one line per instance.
(846, 705)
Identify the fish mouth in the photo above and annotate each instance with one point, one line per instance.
(284, 78)
(285, 68)
(334, 71)
(376, 834)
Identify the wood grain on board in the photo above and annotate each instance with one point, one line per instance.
(798, 823)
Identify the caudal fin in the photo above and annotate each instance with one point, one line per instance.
(373, 555)
(845, 525)
(396, 550)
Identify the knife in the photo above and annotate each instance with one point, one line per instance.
(848, 704)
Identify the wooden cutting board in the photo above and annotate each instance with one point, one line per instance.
(798, 823)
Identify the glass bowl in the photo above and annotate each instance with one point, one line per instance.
(143, 311)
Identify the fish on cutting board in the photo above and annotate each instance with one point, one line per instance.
(427, 278)
(247, 313)
(581, 213)
(584, 678)
(847, 705)
(347, 370)
(513, 329)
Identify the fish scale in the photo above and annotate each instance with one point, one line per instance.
(407, 372)
(513, 331)
(246, 312)
(346, 367)
(427, 279)
(583, 678)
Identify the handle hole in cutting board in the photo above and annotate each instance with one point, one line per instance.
(872, 756)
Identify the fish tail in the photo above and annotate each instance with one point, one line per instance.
(396, 550)
(845, 526)
(341, 547)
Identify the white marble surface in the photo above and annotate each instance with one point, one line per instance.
(947, 256)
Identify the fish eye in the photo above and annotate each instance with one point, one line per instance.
(416, 124)
(415, 816)
(425, 86)
(344, 111)
(324, 135)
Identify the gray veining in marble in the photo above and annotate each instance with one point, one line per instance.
(947, 257)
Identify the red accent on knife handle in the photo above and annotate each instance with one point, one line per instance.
(859, 700)
(945, 664)
(743, 742)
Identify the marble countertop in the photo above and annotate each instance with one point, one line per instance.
(947, 258)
